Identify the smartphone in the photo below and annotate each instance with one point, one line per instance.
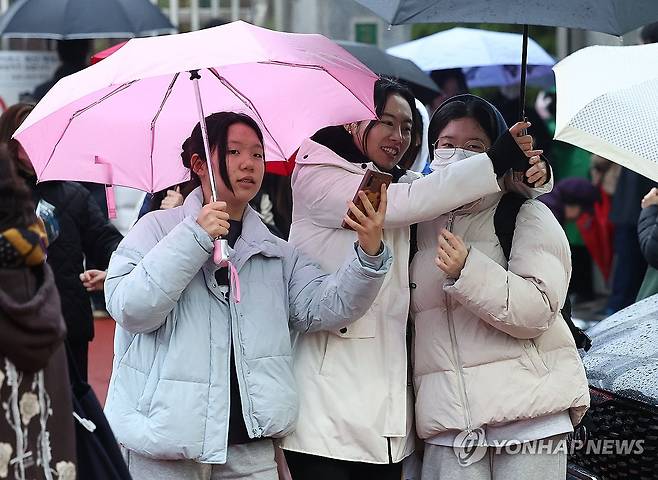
(371, 185)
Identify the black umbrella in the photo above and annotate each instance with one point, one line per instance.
(615, 17)
(75, 19)
(382, 63)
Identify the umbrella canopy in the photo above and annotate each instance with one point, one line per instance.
(75, 19)
(372, 57)
(615, 17)
(607, 103)
(405, 70)
(122, 121)
(487, 58)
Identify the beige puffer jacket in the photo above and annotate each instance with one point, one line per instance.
(492, 347)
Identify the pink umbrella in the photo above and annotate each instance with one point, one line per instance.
(122, 121)
(278, 168)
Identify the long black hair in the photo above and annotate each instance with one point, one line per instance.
(16, 207)
(466, 106)
(217, 125)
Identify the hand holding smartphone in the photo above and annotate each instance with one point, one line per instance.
(371, 185)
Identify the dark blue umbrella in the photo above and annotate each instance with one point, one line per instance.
(382, 63)
(615, 17)
(76, 19)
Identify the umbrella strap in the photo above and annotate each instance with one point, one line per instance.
(111, 202)
(235, 282)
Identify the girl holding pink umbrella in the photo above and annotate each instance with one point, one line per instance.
(202, 377)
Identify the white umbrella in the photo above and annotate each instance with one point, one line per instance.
(487, 58)
(607, 103)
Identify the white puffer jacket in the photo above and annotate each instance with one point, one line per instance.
(492, 347)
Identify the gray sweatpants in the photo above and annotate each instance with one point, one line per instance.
(440, 463)
(250, 461)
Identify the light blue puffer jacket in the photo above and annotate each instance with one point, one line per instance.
(169, 391)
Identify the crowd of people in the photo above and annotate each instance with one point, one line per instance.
(341, 341)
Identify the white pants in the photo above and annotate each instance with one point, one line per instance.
(440, 463)
(250, 461)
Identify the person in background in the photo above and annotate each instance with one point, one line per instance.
(165, 199)
(569, 161)
(73, 56)
(37, 438)
(626, 205)
(586, 206)
(172, 302)
(508, 101)
(604, 174)
(570, 198)
(80, 233)
(630, 265)
(451, 82)
(647, 231)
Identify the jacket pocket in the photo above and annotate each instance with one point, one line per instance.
(533, 354)
(144, 401)
(364, 327)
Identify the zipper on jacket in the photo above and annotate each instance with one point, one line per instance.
(239, 350)
(455, 350)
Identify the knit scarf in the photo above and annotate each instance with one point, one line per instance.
(23, 247)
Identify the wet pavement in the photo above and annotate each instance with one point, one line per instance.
(100, 356)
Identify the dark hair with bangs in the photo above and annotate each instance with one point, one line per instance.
(217, 125)
(384, 88)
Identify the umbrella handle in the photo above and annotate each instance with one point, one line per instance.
(220, 252)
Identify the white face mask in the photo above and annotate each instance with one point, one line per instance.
(459, 154)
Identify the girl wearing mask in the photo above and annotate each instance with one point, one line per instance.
(493, 359)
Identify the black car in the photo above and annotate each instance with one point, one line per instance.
(618, 438)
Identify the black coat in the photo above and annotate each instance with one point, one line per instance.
(647, 231)
(631, 188)
(84, 233)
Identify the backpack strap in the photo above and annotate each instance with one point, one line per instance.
(505, 220)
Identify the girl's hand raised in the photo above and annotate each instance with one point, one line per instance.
(451, 254)
(370, 225)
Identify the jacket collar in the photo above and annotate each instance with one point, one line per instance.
(337, 141)
(255, 239)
